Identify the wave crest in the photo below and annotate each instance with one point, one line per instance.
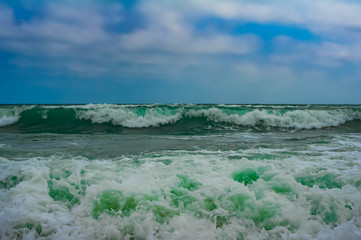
(130, 117)
(11, 115)
(299, 119)
(8, 120)
(44, 118)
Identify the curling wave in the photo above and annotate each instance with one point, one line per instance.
(129, 116)
(107, 117)
(10, 115)
(299, 119)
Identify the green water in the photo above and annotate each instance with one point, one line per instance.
(180, 172)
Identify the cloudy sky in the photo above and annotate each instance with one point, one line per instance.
(180, 51)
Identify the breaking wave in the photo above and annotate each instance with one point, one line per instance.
(10, 115)
(130, 117)
(299, 119)
(80, 117)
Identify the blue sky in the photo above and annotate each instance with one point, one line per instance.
(189, 51)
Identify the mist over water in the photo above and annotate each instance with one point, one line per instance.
(180, 172)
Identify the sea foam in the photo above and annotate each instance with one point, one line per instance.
(183, 194)
(155, 116)
(8, 120)
(300, 119)
(129, 117)
(144, 116)
(11, 114)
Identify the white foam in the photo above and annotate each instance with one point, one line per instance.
(10, 115)
(29, 201)
(139, 116)
(128, 117)
(8, 120)
(301, 119)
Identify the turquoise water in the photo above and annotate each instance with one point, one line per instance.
(180, 172)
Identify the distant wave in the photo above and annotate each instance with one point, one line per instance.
(44, 117)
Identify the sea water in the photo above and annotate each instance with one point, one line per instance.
(180, 172)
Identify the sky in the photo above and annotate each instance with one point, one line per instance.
(180, 51)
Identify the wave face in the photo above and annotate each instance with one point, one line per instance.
(117, 118)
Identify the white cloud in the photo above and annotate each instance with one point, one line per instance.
(170, 31)
(188, 43)
(269, 11)
(304, 12)
(168, 46)
(65, 27)
(325, 53)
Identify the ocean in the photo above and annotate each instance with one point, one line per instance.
(180, 171)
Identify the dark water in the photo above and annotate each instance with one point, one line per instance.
(180, 172)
